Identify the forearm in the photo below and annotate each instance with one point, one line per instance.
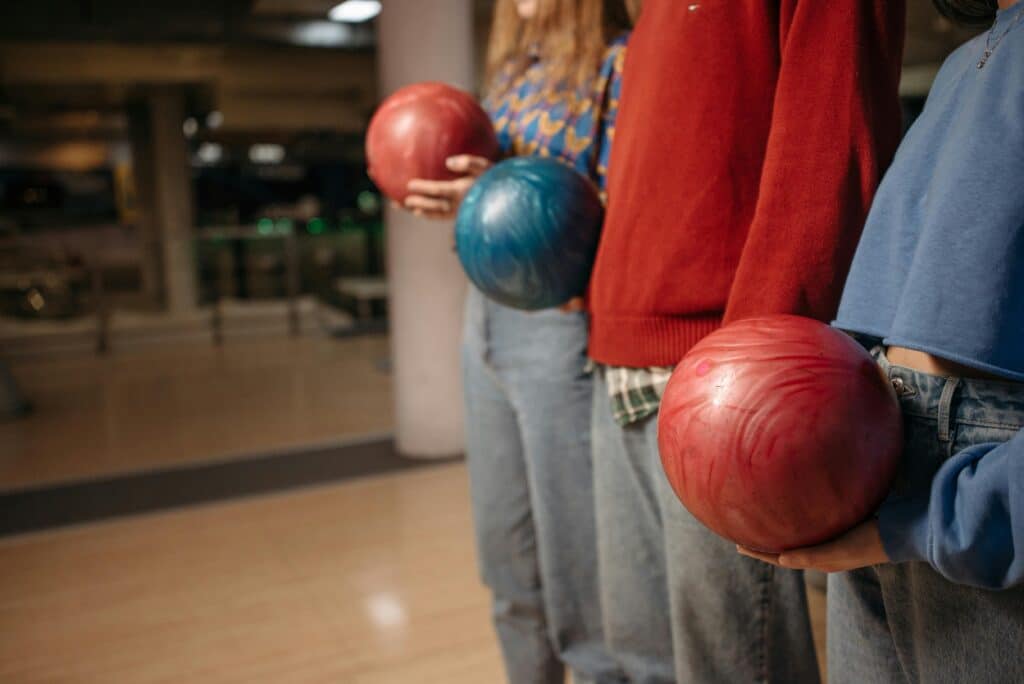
(971, 527)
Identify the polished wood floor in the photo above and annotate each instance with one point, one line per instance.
(817, 607)
(369, 582)
(173, 405)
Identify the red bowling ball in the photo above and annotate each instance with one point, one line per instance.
(779, 432)
(417, 128)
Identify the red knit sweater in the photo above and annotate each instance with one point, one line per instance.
(750, 138)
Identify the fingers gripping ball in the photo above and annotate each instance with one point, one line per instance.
(418, 128)
(779, 432)
(527, 233)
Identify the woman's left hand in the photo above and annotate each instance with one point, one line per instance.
(858, 548)
(441, 199)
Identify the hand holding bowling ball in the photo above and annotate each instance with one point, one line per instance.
(441, 199)
(527, 232)
(860, 547)
(417, 129)
(779, 433)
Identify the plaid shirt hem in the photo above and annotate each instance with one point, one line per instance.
(635, 393)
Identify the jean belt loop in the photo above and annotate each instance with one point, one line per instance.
(945, 418)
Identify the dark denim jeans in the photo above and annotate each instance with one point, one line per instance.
(907, 623)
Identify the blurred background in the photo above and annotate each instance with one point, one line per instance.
(230, 424)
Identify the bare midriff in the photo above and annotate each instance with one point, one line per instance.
(934, 365)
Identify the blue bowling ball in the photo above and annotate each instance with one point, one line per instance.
(527, 232)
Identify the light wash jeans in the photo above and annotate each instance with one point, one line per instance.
(527, 395)
(680, 604)
(906, 623)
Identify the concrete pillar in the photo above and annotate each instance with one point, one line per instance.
(174, 207)
(143, 212)
(421, 41)
(164, 190)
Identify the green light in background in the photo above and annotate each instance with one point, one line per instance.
(284, 225)
(368, 202)
(316, 226)
(265, 226)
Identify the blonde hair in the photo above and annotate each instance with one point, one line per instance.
(570, 36)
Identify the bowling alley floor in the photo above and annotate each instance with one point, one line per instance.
(174, 405)
(371, 581)
(360, 580)
(368, 582)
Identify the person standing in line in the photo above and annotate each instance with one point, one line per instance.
(552, 90)
(931, 589)
(751, 137)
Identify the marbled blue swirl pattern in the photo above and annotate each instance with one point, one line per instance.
(527, 232)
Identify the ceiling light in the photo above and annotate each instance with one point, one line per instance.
(266, 153)
(321, 34)
(210, 153)
(355, 11)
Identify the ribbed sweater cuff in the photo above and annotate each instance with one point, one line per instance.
(641, 341)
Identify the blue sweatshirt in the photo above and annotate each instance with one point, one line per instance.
(940, 269)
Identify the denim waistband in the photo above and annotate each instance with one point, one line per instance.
(990, 403)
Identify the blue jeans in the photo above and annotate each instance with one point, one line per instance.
(906, 623)
(680, 603)
(527, 395)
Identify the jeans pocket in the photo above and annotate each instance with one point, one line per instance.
(970, 434)
(923, 455)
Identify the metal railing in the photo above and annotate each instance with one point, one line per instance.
(240, 235)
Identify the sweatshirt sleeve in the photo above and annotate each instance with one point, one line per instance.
(835, 126)
(971, 528)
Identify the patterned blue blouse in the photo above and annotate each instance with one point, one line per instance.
(531, 118)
